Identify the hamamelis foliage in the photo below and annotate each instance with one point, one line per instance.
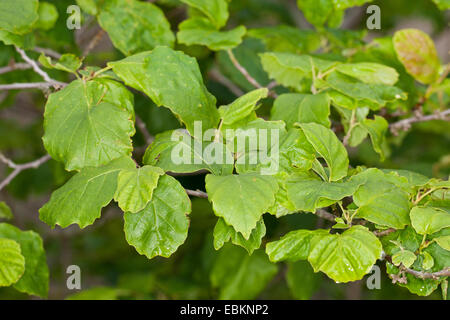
(324, 90)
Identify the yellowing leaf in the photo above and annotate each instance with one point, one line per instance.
(135, 187)
(12, 263)
(417, 52)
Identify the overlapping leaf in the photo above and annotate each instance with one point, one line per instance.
(135, 26)
(89, 123)
(81, 199)
(171, 79)
(241, 200)
(162, 226)
(35, 279)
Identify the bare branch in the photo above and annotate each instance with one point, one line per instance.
(421, 274)
(14, 66)
(48, 52)
(219, 77)
(243, 70)
(405, 124)
(321, 213)
(18, 168)
(197, 193)
(19, 86)
(38, 70)
(246, 74)
(383, 233)
(94, 42)
(143, 129)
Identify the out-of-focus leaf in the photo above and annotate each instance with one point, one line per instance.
(417, 52)
(135, 26)
(201, 31)
(240, 276)
(35, 279)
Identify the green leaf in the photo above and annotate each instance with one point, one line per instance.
(286, 107)
(215, 10)
(12, 263)
(421, 287)
(68, 62)
(240, 276)
(371, 95)
(48, 14)
(284, 38)
(428, 220)
(315, 109)
(369, 72)
(377, 129)
(292, 70)
(241, 199)
(89, 123)
(202, 32)
(345, 257)
(176, 151)
(135, 26)
(135, 187)
(162, 226)
(417, 52)
(380, 201)
(25, 42)
(89, 6)
(168, 77)
(5, 211)
(328, 146)
(302, 281)
(404, 257)
(224, 233)
(35, 279)
(293, 246)
(317, 12)
(18, 16)
(81, 199)
(442, 4)
(428, 261)
(443, 242)
(242, 106)
(309, 194)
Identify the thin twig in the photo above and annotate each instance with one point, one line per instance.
(245, 73)
(38, 70)
(383, 233)
(422, 274)
(197, 193)
(48, 52)
(405, 124)
(31, 85)
(94, 42)
(143, 129)
(18, 168)
(14, 66)
(219, 77)
(325, 215)
(243, 70)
